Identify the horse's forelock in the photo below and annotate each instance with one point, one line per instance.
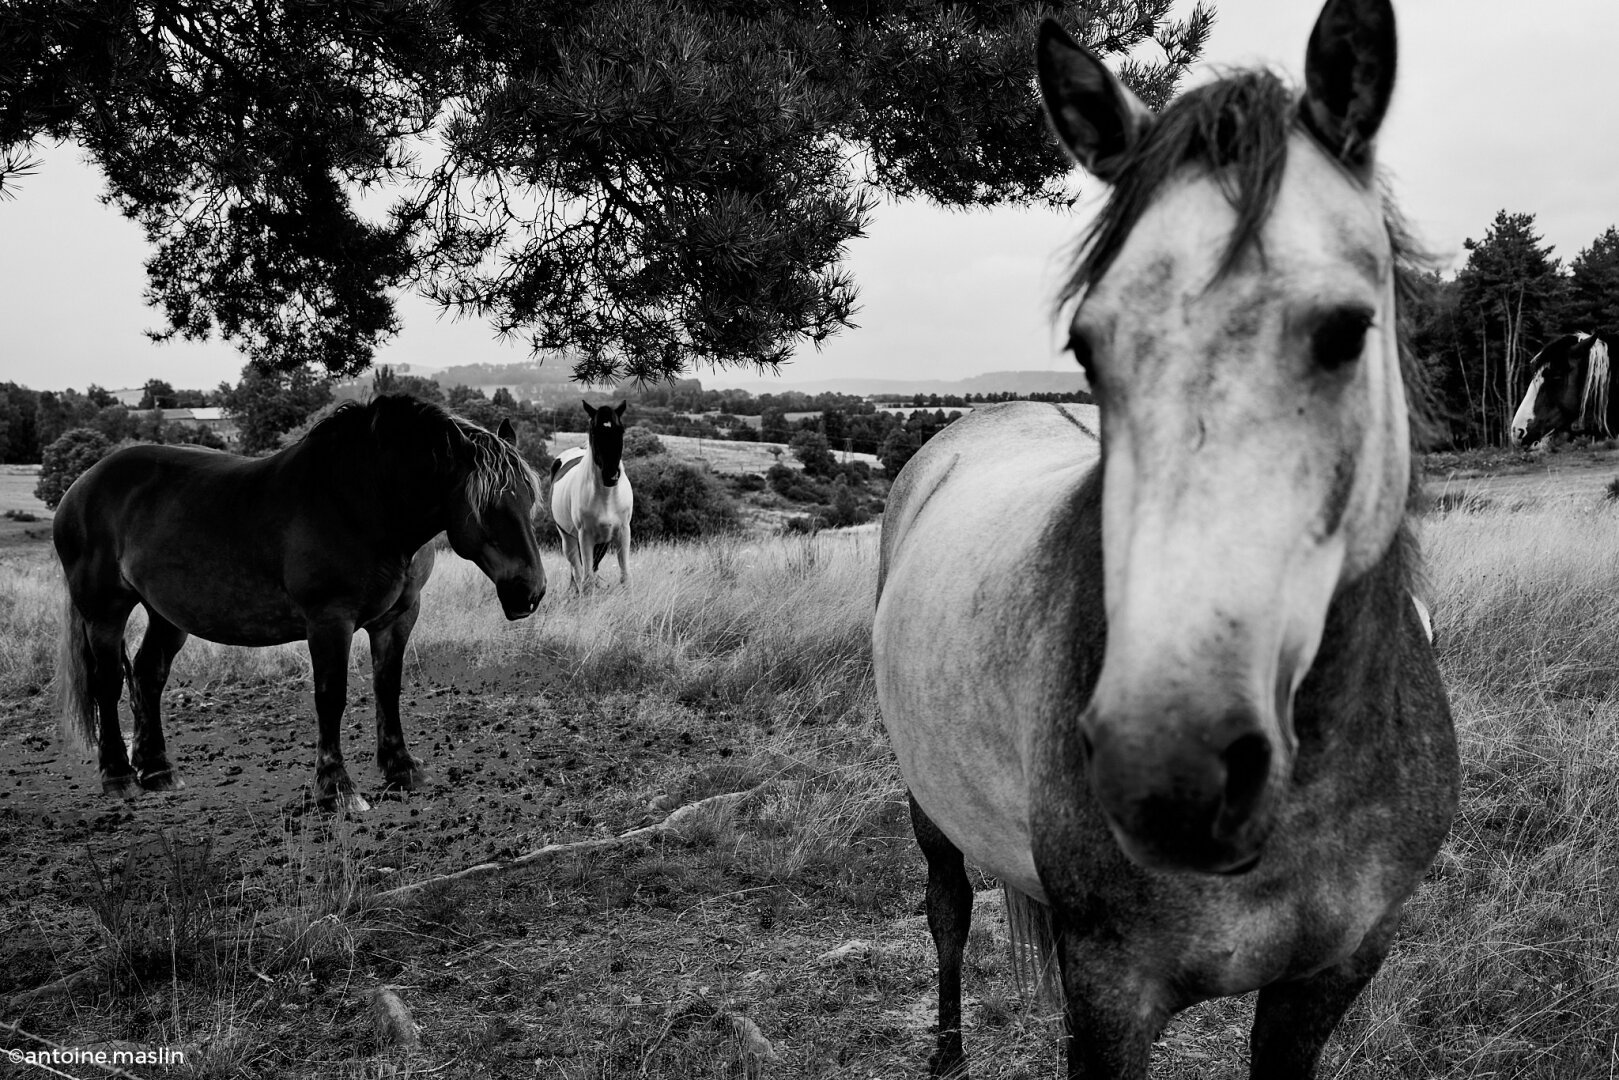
(1237, 129)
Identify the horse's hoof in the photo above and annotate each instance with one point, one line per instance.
(122, 787)
(948, 1067)
(347, 801)
(408, 779)
(165, 779)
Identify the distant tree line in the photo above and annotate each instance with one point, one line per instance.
(30, 420)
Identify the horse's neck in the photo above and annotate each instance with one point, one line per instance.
(590, 479)
(396, 502)
(1363, 644)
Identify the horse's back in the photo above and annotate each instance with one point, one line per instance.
(976, 607)
(197, 535)
(990, 452)
(144, 482)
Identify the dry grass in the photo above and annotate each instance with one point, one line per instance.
(668, 959)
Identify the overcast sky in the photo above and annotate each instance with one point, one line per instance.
(1499, 105)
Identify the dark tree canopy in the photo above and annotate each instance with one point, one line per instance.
(646, 184)
(1593, 301)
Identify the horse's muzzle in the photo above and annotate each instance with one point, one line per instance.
(518, 598)
(1185, 797)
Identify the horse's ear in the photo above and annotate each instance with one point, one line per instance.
(1094, 115)
(588, 410)
(506, 431)
(621, 407)
(1349, 77)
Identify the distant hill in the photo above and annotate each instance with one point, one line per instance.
(1016, 382)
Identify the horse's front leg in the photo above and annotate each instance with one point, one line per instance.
(571, 552)
(1292, 1020)
(329, 641)
(147, 678)
(388, 641)
(1112, 1014)
(588, 537)
(624, 553)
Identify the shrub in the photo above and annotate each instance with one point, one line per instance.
(846, 509)
(176, 433)
(531, 443)
(789, 483)
(813, 450)
(677, 500)
(66, 459)
(639, 442)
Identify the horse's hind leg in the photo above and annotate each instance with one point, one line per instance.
(147, 677)
(104, 642)
(949, 909)
(1293, 1020)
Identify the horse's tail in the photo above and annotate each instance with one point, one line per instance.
(1033, 933)
(601, 550)
(556, 463)
(76, 705)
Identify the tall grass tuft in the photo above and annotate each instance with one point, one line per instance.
(1525, 602)
(1508, 963)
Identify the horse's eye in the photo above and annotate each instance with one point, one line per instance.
(1339, 338)
(1080, 346)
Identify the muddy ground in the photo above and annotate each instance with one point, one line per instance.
(512, 766)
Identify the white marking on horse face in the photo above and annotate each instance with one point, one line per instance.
(1228, 447)
(1526, 409)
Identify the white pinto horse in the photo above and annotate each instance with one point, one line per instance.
(591, 498)
(1162, 675)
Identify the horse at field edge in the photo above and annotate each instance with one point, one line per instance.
(1569, 384)
(1165, 680)
(328, 536)
(591, 498)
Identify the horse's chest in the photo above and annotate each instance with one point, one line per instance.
(1252, 937)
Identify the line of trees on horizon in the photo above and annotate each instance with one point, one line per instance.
(1474, 332)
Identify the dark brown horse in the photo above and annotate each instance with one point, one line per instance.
(1158, 668)
(327, 537)
(1570, 380)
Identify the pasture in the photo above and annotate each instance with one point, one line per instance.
(775, 934)
(24, 520)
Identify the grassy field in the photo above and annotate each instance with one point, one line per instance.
(778, 934)
(24, 520)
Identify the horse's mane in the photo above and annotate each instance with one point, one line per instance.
(403, 427)
(1594, 396)
(1237, 129)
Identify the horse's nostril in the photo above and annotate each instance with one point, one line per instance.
(1247, 769)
